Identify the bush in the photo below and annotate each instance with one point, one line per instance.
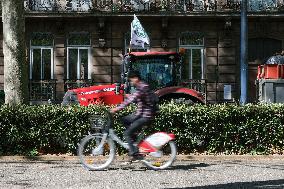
(230, 129)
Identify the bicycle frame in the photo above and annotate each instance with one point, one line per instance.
(144, 145)
(150, 147)
(114, 137)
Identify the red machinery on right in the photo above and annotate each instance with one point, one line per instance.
(270, 80)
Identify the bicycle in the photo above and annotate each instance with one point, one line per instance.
(97, 150)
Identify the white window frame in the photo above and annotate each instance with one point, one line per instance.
(191, 47)
(79, 47)
(197, 47)
(32, 48)
(78, 62)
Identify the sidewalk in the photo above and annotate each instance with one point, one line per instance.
(123, 157)
(197, 172)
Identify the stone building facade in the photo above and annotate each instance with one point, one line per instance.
(73, 43)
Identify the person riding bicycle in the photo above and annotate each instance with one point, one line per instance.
(144, 114)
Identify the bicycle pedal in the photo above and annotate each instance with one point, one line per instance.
(134, 161)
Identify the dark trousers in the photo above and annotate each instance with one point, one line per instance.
(133, 124)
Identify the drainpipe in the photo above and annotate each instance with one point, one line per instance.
(243, 55)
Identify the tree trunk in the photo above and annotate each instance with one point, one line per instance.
(15, 66)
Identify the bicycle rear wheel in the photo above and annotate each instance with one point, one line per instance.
(162, 158)
(94, 158)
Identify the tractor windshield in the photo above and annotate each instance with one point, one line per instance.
(157, 72)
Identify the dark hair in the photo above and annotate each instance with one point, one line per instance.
(134, 73)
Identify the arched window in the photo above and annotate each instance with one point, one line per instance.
(194, 65)
(41, 56)
(78, 56)
(42, 85)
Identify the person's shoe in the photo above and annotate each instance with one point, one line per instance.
(137, 157)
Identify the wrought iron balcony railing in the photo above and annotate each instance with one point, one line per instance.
(42, 90)
(73, 84)
(149, 6)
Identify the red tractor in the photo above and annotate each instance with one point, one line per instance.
(161, 70)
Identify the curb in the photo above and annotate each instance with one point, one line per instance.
(123, 157)
(232, 157)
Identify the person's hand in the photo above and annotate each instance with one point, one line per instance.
(113, 110)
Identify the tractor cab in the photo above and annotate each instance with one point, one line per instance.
(158, 69)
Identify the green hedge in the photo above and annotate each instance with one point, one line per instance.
(229, 129)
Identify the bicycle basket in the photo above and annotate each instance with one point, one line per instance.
(98, 122)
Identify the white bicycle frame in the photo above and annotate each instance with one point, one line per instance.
(103, 134)
(114, 137)
(111, 133)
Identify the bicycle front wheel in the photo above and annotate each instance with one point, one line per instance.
(94, 155)
(161, 159)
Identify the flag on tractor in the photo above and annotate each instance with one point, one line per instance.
(138, 35)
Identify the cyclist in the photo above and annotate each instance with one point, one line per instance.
(144, 114)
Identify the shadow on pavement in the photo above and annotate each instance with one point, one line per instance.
(270, 184)
(259, 165)
(189, 166)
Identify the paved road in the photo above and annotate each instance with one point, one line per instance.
(196, 174)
